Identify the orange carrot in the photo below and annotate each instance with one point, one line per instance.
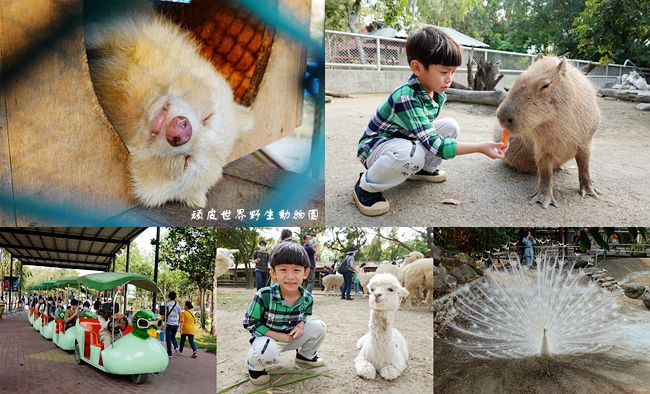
(505, 136)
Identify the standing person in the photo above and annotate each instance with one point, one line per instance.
(261, 260)
(346, 268)
(311, 253)
(528, 243)
(172, 312)
(286, 235)
(2, 306)
(357, 285)
(187, 327)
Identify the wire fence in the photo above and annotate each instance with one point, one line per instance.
(359, 51)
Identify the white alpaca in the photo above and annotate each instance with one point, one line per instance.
(364, 279)
(332, 282)
(383, 349)
(411, 257)
(387, 268)
(417, 277)
(223, 260)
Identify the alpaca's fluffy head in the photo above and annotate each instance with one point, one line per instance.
(385, 292)
(411, 257)
(228, 253)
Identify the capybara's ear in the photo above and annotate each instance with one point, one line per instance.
(561, 66)
(539, 56)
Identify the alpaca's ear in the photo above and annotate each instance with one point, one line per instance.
(402, 292)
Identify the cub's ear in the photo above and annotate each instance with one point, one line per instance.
(539, 56)
(561, 66)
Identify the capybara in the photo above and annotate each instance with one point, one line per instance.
(173, 110)
(552, 114)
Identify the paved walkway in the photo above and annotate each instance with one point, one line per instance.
(30, 363)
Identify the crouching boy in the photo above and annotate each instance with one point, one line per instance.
(277, 316)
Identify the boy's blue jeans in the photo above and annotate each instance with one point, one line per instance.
(392, 162)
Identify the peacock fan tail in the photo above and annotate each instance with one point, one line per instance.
(551, 310)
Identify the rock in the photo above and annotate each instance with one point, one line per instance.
(608, 284)
(633, 290)
(643, 107)
(439, 284)
(464, 273)
(439, 270)
(605, 279)
(646, 299)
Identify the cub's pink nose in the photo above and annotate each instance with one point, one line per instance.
(179, 131)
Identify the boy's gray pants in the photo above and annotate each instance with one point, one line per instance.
(392, 162)
(265, 351)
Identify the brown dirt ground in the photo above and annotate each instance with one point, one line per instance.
(493, 194)
(347, 322)
(457, 372)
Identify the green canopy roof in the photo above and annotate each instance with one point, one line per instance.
(110, 280)
(72, 281)
(47, 285)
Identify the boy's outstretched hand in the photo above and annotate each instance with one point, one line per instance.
(494, 150)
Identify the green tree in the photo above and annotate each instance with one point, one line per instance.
(192, 250)
(373, 251)
(614, 30)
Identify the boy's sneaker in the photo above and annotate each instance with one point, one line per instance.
(259, 378)
(314, 362)
(369, 204)
(436, 176)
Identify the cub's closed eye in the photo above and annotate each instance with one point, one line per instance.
(205, 120)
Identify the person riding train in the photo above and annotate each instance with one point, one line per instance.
(111, 322)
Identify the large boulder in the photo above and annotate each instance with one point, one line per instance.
(465, 273)
(633, 290)
(646, 299)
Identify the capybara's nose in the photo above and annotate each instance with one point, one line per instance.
(179, 131)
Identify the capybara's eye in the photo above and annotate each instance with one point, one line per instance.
(205, 120)
(545, 86)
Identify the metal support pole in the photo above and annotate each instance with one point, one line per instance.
(155, 267)
(113, 263)
(378, 55)
(11, 282)
(128, 266)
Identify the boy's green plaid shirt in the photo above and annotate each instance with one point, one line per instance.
(408, 113)
(269, 311)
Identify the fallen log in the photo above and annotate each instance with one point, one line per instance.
(637, 96)
(494, 97)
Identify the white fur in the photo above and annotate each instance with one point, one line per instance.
(332, 282)
(364, 279)
(223, 260)
(146, 63)
(387, 268)
(417, 277)
(411, 257)
(383, 349)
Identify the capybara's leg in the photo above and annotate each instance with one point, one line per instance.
(544, 194)
(582, 159)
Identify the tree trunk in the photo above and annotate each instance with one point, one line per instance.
(494, 97)
(202, 295)
(625, 95)
(353, 15)
(213, 301)
(487, 75)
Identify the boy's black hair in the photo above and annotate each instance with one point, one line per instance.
(188, 305)
(289, 253)
(74, 302)
(433, 46)
(172, 295)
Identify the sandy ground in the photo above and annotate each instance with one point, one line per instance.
(347, 321)
(457, 372)
(493, 194)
